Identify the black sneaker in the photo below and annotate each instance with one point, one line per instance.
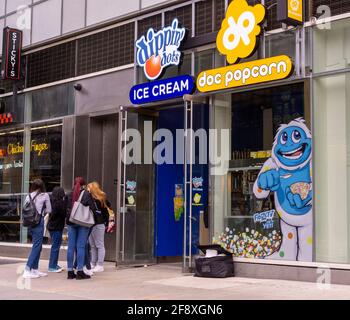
(82, 276)
(71, 275)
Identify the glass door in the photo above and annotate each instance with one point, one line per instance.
(196, 178)
(135, 219)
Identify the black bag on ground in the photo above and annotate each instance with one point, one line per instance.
(220, 266)
(30, 215)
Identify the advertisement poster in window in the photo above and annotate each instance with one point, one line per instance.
(271, 198)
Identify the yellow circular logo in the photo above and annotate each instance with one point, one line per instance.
(237, 37)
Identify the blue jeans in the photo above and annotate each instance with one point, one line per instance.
(87, 262)
(77, 238)
(56, 240)
(37, 240)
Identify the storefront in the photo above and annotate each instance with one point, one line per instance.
(31, 147)
(268, 230)
(165, 204)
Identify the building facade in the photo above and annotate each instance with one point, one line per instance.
(57, 130)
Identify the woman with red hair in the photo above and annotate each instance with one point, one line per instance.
(78, 235)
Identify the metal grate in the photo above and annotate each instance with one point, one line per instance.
(52, 64)
(336, 6)
(154, 22)
(184, 15)
(204, 17)
(219, 9)
(105, 50)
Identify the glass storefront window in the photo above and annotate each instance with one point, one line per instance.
(11, 168)
(13, 108)
(332, 174)
(45, 156)
(50, 103)
(243, 224)
(30, 151)
(332, 47)
(26, 154)
(280, 44)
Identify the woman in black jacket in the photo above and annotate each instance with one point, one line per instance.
(56, 225)
(78, 235)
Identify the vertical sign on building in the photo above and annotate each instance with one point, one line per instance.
(11, 54)
(290, 11)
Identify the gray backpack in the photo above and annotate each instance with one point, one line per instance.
(30, 215)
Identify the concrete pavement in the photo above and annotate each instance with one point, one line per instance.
(158, 282)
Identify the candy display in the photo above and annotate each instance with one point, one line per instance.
(250, 243)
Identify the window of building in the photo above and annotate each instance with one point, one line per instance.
(183, 14)
(52, 64)
(105, 50)
(11, 169)
(49, 103)
(154, 22)
(248, 226)
(332, 174)
(336, 6)
(204, 14)
(45, 155)
(332, 47)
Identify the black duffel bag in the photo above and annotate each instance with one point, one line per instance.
(220, 266)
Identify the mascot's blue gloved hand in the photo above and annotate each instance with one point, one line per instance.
(269, 180)
(295, 199)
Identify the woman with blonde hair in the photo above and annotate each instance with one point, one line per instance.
(97, 236)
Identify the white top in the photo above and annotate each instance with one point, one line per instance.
(40, 200)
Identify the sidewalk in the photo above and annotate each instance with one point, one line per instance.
(152, 283)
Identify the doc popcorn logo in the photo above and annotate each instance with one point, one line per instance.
(238, 39)
(159, 50)
(294, 4)
(240, 29)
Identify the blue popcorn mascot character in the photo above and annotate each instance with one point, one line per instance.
(288, 174)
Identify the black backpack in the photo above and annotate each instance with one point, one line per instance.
(30, 215)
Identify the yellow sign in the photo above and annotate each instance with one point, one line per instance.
(237, 37)
(18, 148)
(295, 10)
(253, 72)
(39, 147)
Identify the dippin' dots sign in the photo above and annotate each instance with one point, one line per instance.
(159, 50)
(249, 73)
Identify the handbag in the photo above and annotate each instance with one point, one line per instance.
(30, 215)
(81, 215)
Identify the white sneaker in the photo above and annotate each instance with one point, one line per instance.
(27, 274)
(88, 272)
(98, 269)
(38, 273)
